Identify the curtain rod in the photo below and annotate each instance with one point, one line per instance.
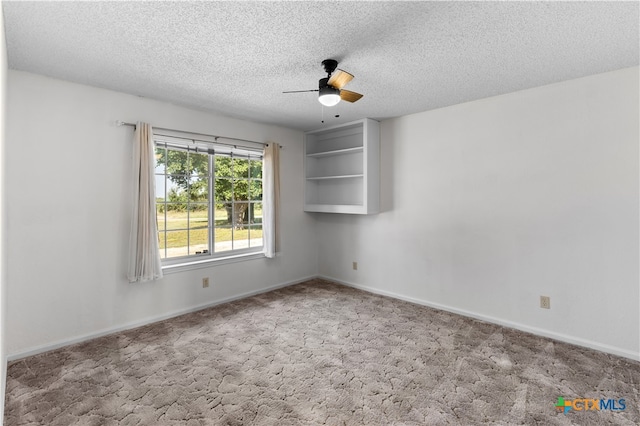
(123, 123)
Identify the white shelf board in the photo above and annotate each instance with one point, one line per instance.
(335, 208)
(337, 152)
(335, 177)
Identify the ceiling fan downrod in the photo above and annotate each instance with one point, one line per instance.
(330, 66)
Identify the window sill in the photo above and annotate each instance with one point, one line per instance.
(207, 263)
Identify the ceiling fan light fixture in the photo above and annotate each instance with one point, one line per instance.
(329, 96)
(329, 100)
(330, 89)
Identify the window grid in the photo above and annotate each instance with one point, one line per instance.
(251, 180)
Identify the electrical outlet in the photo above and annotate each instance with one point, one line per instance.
(355, 266)
(205, 282)
(545, 302)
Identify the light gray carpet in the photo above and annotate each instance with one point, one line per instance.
(318, 353)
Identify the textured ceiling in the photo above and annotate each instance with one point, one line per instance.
(236, 58)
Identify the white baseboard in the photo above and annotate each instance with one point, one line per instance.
(533, 330)
(149, 320)
(522, 327)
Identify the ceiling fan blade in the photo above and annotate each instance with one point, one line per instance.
(300, 91)
(349, 96)
(339, 79)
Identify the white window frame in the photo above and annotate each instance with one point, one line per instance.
(191, 261)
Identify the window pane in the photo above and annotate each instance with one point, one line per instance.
(223, 215)
(177, 184)
(223, 166)
(177, 193)
(199, 189)
(256, 169)
(223, 189)
(198, 241)
(160, 188)
(240, 168)
(177, 163)
(255, 213)
(223, 239)
(176, 216)
(198, 216)
(160, 217)
(176, 244)
(241, 238)
(255, 236)
(240, 214)
(240, 189)
(161, 159)
(255, 187)
(198, 164)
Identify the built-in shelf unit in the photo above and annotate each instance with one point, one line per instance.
(342, 168)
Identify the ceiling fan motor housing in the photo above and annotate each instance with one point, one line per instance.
(325, 89)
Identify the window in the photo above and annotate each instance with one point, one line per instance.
(209, 202)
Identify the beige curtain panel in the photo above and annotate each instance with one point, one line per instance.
(271, 198)
(144, 255)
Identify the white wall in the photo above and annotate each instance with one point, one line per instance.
(3, 91)
(68, 202)
(488, 205)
